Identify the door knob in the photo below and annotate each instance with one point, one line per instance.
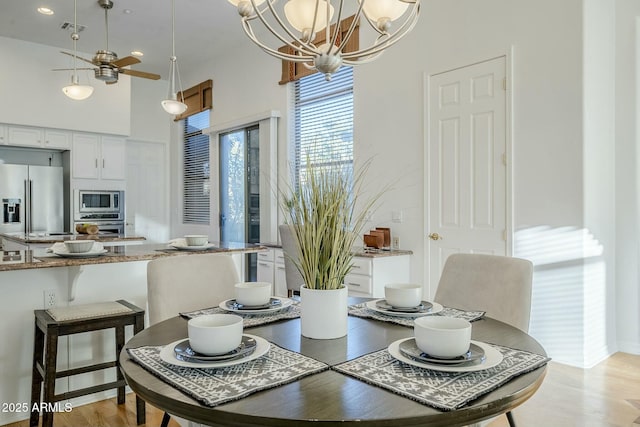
(435, 236)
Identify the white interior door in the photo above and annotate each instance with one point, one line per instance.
(147, 205)
(466, 169)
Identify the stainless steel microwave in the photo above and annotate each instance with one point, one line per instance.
(99, 201)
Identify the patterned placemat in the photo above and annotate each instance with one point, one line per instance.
(361, 310)
(214, 386)
(442, 390)
(252, 319)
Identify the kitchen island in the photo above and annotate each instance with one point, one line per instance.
(40, 258)
(24, 241)
(31, 279)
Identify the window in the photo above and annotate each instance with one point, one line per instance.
(196, 170)
(323, 122)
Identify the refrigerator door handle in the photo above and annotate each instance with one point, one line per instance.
(26, 211)
(30, 205)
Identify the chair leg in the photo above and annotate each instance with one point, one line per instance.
(119, 376)
(512, 422)
(36, 378)
(49, 376)
(165, 420)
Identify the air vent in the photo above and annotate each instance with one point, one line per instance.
(69, 26)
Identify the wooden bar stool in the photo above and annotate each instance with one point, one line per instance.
(56, 322)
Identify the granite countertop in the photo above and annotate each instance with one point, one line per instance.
(40, 258)
(39, 238)
(361, 252)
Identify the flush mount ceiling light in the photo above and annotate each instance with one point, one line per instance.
(75, 90)
(172, 105)
(305, 18)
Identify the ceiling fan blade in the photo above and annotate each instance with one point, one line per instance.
(70, 69)
(79, 57)
(127, 60)
(136, 73)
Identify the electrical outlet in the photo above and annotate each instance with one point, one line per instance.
(50, 299)
(395, 242)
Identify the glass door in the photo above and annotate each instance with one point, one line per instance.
(240, 191)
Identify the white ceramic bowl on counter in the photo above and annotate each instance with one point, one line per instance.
(196, 239)
(78, 246)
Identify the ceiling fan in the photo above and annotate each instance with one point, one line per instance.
(107, 64)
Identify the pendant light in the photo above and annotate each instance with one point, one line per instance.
(171, 105)
(75, 90)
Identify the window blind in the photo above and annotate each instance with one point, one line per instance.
(196, 170)
(323, 122)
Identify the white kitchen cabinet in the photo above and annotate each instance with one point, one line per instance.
(265, 267)
(270, 269)
(3, 134)
(370, 274)
(98, 157)
(85, 151)
(25, 136)
(113, 158)
(58, 139)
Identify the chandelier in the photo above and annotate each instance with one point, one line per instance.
(307, 18)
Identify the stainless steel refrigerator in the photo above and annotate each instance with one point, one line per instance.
(32, 199)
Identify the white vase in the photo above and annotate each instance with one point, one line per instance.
(323, 313)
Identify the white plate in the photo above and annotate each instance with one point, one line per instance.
(168, 355)
(372, 305)
(286, 302)
(492, 358)
(89, 254)
(185, 247)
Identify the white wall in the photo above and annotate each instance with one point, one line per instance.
(149, 122)
(32, 93)
(627, 139)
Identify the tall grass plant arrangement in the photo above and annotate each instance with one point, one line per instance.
(327, 213)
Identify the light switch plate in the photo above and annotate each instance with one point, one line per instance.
(396, 216)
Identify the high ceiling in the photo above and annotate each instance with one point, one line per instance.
(203, 29)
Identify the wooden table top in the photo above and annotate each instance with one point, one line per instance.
(329, 396)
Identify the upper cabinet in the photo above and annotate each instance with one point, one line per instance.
(98, 157)
(113, 158)
(3, 134)
(25, 136)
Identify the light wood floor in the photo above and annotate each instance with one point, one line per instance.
(607, 395)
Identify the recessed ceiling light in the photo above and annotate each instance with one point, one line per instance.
(137, 53)
(45, 11)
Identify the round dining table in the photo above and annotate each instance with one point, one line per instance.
(331, 398)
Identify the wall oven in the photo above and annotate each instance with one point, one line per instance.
(102, 207)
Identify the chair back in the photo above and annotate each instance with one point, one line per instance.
(498, 285)
(293, 277)
(177, 284)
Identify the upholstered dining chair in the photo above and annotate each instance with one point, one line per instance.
(292, 275)
(498, 285)
(185, 283)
